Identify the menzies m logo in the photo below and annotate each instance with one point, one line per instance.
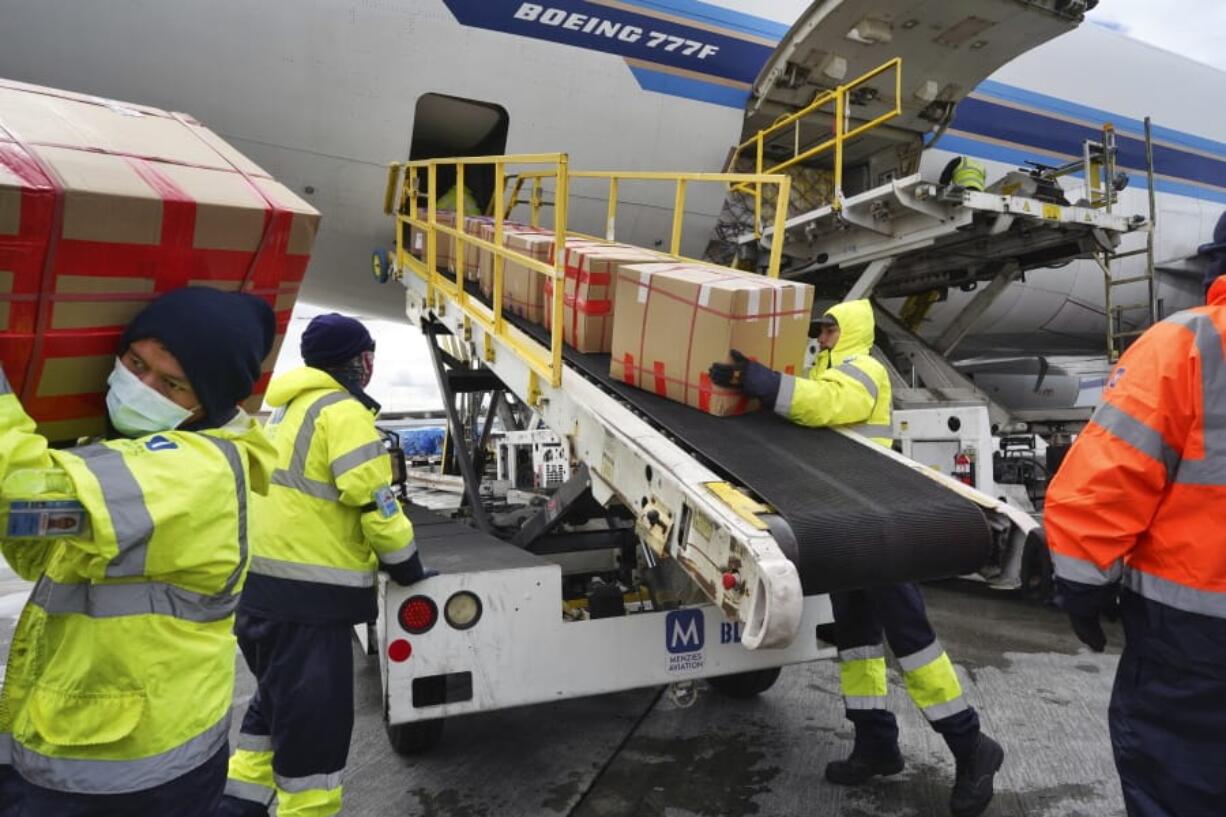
(684, 631)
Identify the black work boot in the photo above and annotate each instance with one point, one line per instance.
(861, 766)
(973, 778)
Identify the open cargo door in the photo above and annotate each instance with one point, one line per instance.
(947, 47)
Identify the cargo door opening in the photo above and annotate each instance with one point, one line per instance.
(446, 126)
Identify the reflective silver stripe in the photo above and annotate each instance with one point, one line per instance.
(306, 431)
(400, 555)
(865, 379)
(1137, 434)
(134, 599)
(5, 388)
(314, 782)
(119, 776)
(256, 793)
(921, 658)
(1212, 469)
(938, 711)
(310, 487)
(1173, 594)
(864, 701)
(1084, 571)
(6, 749)
(862, 653)
(358, 456)
(787, 391)
(871, 430)
(312, 573)
(254, 743)
(125, 504)
(230, 451)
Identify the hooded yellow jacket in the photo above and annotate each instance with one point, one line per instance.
(847, 387)
(121, 670)
(330, 518)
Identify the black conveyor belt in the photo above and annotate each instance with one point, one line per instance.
(858, 519)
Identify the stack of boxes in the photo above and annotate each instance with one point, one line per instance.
(663, 322)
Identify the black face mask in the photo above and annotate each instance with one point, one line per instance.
(351, 375)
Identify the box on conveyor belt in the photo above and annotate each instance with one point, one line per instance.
(485, 259)
(523, 289)
(588, 299)
(674, 320)
(104, 205)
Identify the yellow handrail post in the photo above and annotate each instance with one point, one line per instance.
(432, 232)
(498, 261)
(561, 197)
(389, 192)
(610, 228)
(459, 255)
(535, 218)
(757, 193)
(514, 198)
(781, 219)
(678, 217)
(840, 102)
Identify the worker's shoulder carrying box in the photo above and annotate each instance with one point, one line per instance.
(674, 320)
(104, 205)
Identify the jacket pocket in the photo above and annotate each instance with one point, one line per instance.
(84, 718)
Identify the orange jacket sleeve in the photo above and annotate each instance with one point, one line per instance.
(1117, 472)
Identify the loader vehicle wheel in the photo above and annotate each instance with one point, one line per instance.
(1037, 583)
(415, 738)
(746, 684)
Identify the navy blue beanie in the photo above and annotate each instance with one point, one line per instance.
(219, 338)
(332, 339)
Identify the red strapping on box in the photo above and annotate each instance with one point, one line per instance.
(661, 378)
(789, 369)
(628, 369)
(43, 315)
(704, 392)
(277, 221)
(594, 307)
(178, 223)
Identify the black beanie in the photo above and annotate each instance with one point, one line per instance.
(333, 339)
(219, 338)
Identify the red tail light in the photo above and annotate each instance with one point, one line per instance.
(418, 614)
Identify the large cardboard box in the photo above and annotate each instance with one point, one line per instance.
(588, 297)
(674, 320)
(104, 205)
(485, 259)
(523, 289)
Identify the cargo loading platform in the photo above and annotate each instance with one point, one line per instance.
(757, 511)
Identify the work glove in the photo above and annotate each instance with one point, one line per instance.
(750, 376)
(408, 572)
(1088, 627)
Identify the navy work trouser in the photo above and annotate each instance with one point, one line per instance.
(861, 617)
(195, 794)
(1168, 724)
(294, 740)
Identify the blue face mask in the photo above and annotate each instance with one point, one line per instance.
(136, 409)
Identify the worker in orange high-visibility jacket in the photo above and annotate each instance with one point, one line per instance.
(1135, 517)
(847, 388)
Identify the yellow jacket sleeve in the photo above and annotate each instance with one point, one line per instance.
(838, 396)
(21, 448)
(363, 475)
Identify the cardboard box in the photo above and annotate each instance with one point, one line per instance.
(588, 299)
(445, 249)
(485, 259)
(675, 320)
(104, 205)
(523, 289)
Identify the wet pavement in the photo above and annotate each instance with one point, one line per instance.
(1041, 694)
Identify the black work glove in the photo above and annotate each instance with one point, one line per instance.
(409, 571)
(1089, 631)
(750, 376)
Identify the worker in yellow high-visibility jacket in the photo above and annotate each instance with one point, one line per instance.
(330, 521)
(117, 692)
(847, 388)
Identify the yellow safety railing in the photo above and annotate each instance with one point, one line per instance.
(839, 98)
(402, 198)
